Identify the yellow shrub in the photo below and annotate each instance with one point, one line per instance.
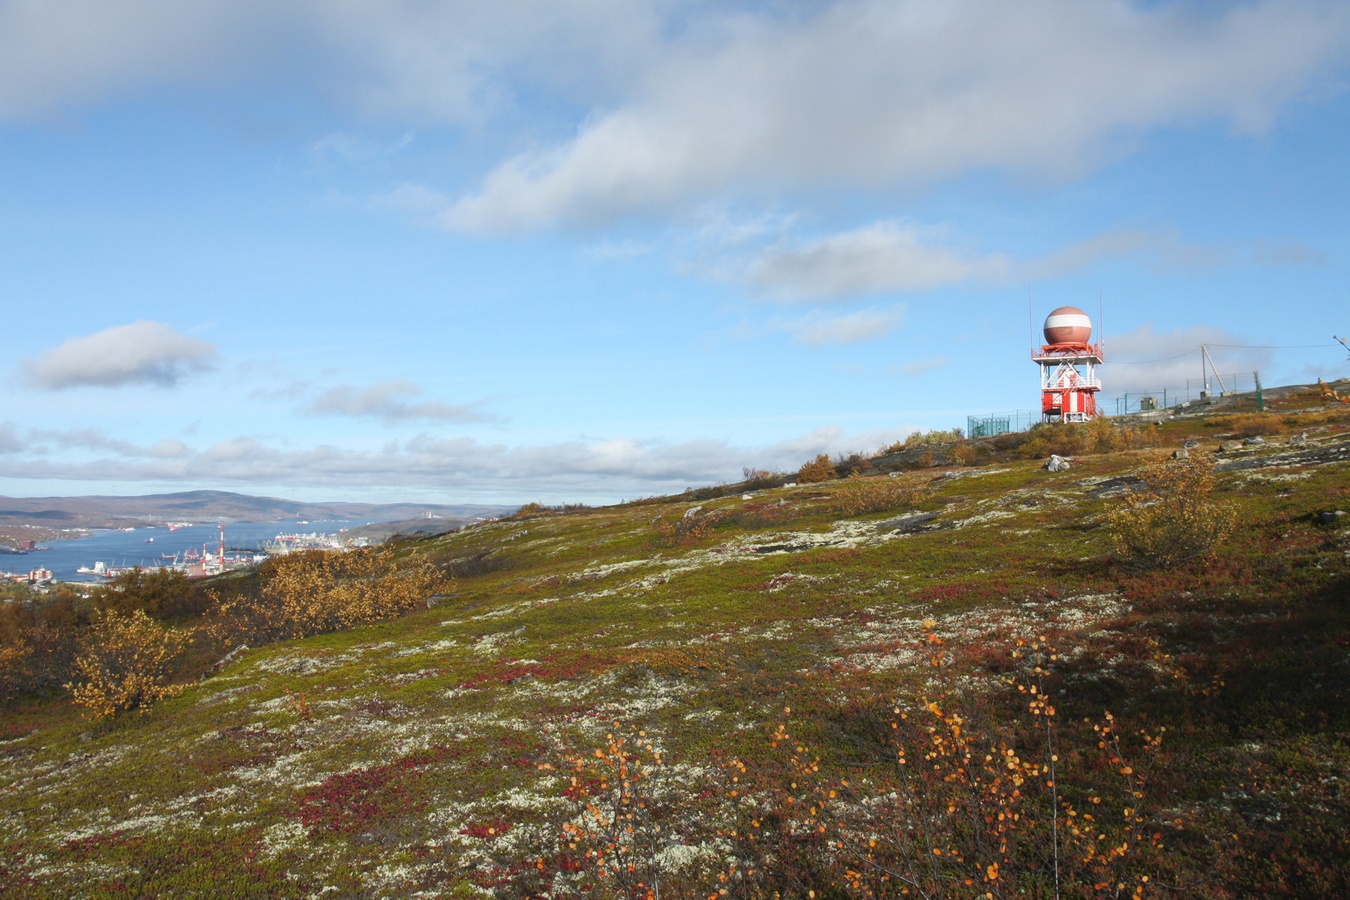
(818, 469)
(125, 664)
(864, 497)
(1245, 425)
(1174, 519)
(319, 591)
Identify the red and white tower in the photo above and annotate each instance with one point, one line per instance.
(1068, 363)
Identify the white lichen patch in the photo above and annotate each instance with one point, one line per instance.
(306, 664)
(1259, 477)
(492, 644)
(597, 571)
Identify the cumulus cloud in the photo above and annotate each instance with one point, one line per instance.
(139, 353)
(870, 92)
(865, 325)
(387, 401)
(885, 257)
(572, 470)
(890, 257)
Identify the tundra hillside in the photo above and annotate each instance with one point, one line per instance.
(964, 677)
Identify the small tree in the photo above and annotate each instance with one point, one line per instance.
(818, 469)
(125, 663)
(1175, 518)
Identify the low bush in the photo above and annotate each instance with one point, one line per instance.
(760, 479)
(859, 497)
(1099, 435)
(1246, 425)
(817, 470)
(689, 528)
(318, 591)
(160, 593)
(125, 663)
(39, 640)
(1174, 519)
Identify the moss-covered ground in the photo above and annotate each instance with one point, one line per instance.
(425, 755)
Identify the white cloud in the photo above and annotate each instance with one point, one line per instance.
(864, 325)
(386, 401)
(890, 257)
(44, 441)
(875, 92)
(464, 467)
(921, 367)
(451, 60)
(139, 353)
(668, 104)
(885, 257)
(66, 52)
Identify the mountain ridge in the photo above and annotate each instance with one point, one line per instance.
(117, 511)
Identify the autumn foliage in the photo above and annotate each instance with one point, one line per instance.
(1175, 518)
(125, 663)
(318, 591)
(817, 470)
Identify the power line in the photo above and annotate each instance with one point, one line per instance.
(1258, 347)
(1141, 362)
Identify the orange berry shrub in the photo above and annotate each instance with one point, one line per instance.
(948, 802)
(956, 805)
(625, 821)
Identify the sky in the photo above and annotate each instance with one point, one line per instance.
(594, 250)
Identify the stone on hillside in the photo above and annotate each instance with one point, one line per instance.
(1057, 464)
(693, 510)
(913, 523)
(1189, 444)
(1255, 441)
(1230, 446)
(1183, 453)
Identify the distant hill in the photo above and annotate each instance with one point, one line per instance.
(197, 506)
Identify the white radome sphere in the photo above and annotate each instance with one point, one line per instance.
(1068, 325)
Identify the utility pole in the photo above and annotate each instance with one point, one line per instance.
(1204, 351)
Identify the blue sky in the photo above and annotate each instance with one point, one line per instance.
(583, 250)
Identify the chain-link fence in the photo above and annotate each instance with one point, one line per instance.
(1167, 397)
(1249, 386)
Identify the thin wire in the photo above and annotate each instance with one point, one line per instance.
(1140, 362)
(1258, 347)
